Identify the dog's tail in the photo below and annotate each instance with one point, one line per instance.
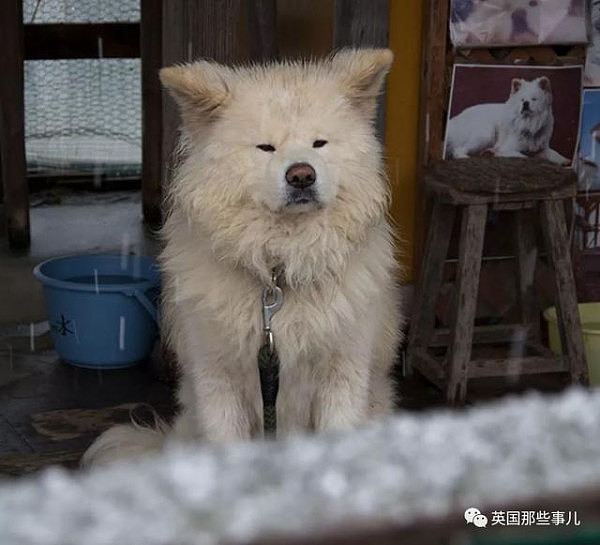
(125, 441)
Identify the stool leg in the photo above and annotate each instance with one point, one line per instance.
(430, 279)
(553, 222)
(527, 253)
(467, 282)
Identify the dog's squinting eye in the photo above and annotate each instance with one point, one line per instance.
(266, 147)
(319, 143)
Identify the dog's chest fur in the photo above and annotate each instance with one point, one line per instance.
(532, 134)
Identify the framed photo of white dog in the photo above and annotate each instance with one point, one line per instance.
(514, 111)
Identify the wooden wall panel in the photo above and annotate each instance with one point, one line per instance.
(363, 23)
(261, 16)
(304, 27)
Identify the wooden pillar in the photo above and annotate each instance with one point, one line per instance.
(174, 50)
(433, 105)
(12, 124)
(151, 59)
(363, 23)
(262, 22)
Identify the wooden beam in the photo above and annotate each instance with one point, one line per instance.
(363, 23)
(431, 368)
(516, 366)
(501, 333)
(12, 124)
(82, 41)
(152, 111)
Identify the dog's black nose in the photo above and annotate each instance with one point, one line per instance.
(301, 175)
(526, 106)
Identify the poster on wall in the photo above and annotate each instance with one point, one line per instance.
(589, 146)
(514, 111)
(592, 63)
(485, 23)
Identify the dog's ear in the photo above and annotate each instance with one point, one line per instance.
(544, 84)
(362, 74)
(200, 89)
(515, 85)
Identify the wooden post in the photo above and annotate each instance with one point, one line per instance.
(175, 49)
(12, 124)
(151, 58)
(432, 109)
(363, 23)
(430, 281)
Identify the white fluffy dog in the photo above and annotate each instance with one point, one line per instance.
(280, 168)
(520, 127)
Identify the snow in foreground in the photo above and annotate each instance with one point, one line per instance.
(397, 470)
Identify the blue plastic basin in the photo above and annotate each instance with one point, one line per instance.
(101, 308)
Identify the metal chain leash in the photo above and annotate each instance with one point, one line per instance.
(268, 359)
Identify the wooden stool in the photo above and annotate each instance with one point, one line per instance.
(474, 186)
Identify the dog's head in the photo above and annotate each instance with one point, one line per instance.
(531, 98)
(290, 137)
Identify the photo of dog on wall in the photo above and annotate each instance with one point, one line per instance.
(589, 142)
(592, 58)
(514, 111)
(482, 23)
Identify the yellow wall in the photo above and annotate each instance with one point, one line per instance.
(402, 118)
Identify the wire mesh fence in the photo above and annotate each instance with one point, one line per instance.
(83, 115)
(80, 11)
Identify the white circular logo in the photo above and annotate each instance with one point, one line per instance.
(480, 521)
(471, 513)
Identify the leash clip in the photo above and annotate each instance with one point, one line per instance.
(272, 299)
